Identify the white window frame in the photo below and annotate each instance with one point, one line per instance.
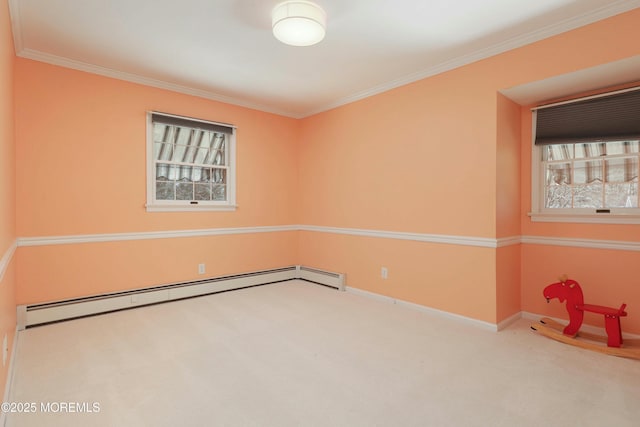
(574, 215)
(154, 205)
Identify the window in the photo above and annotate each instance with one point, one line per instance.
(585, 160)
(190, 164)
(591, 176)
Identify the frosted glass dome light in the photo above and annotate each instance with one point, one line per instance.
(298, 23)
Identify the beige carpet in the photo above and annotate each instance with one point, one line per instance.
(298, 354)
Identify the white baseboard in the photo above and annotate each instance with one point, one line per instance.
(509, 321)
(429, 310)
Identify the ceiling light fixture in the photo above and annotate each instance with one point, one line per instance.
(298, 23)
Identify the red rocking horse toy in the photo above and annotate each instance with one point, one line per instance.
(570, 291)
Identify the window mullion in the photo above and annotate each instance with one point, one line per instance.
(637, 173)
(604, 182)
(197, 165)
(573, 182)
(573, 175)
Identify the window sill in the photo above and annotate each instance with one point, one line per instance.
(585, 218)
(191, 208)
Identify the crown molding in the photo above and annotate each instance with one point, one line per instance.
(498, 48)
(604, 12)
(146, 81)
(16, 25)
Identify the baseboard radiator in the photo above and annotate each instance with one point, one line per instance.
(40, 314)
(326, 278)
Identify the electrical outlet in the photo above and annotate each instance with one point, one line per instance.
(384, 272)
(201, 269)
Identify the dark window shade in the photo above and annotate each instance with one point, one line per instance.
(608, 118)
(184, 122)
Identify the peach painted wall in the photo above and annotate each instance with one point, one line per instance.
(508, 168)
(67, 271)
(508, 290)
(7, 191)
(608, 277)
(423, 158)
(7, 143)
(416, 272)
(100, 123)
(599, 43)
(507, 207)
(393, 162)
(81, 164)
(379, 163)
(431, 157)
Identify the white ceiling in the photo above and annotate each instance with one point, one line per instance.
(224, 50)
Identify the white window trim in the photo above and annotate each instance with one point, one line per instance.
(587, 216)
(185, 206)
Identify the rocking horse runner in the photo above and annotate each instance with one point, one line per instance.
(571, 292)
